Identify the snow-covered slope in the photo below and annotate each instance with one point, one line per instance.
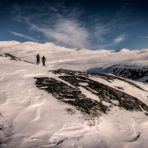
(43, 107)
(134, 72)
(139, 73)
(61, 57)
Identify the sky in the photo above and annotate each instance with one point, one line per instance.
(91, 24)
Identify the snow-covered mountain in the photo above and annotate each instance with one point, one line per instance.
(62, 106)
(134, 72)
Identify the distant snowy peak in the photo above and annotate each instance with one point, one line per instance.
(123, 50)
(31, 48)
(30, 44)
(8, 43)
(42, 46)
(50, 45)
(78, 59)
(132, 72)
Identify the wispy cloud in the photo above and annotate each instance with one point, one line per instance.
(23, 36)
(70, 32)
(65, 27)
(119, 38)
(66, 32)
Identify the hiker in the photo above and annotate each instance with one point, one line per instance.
(43, 60)
(37, 59)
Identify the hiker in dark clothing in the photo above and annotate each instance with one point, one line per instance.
(37, 59)
(43, 60)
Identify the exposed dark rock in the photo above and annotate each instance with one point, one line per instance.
(111, 78)
(134, 72)
(70, 111)
(119, 87)
(70, 95)
(12, 57)
(131, 72)
(73, 96)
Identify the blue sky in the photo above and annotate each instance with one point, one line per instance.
(93, 24)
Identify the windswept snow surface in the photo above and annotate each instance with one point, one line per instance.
(32, 118)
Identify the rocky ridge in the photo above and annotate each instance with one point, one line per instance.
(67, 89)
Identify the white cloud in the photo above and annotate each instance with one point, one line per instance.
(23, 36)
(66, 32)
(63, 26)
(119, 38)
